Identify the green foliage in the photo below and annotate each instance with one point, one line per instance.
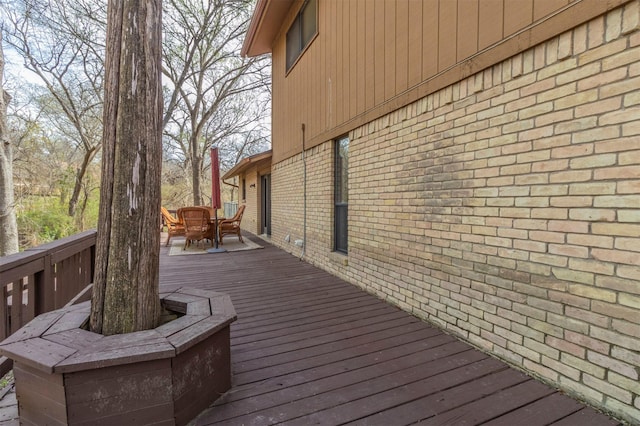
(44, 219)
(89, 219)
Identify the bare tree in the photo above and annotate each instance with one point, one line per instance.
(126, 290)
(216, 93)
(214, 97)
(58, 41)
(8, 224)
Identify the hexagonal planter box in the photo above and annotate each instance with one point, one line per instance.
(67, 375)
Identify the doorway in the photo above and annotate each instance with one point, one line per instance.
(265, 216)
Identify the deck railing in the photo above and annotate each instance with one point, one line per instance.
(42, 279)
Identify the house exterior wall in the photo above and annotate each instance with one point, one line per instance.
(371, 57)
(252, 219)
(288, 202)
(504, 208)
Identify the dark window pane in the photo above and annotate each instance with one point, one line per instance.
(341, 228)
(342, 176)
(293, 43)
(302, 30)
(308, 22)
(341, 194)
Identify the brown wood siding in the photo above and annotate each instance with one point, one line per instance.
(490, 22)
(467, 28)
(371, 57)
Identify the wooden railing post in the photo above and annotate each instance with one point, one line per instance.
(44, 291)
(42, 279)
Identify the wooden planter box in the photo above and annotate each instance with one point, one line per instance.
(66, 375)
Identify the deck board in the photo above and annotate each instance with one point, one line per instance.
(309, 348)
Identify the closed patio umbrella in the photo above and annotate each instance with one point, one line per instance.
(215, 197)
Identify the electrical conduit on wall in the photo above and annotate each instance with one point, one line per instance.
(304, 196)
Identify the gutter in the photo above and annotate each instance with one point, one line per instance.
(230, 184)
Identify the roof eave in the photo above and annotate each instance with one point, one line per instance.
(266, 21)
(247, 163)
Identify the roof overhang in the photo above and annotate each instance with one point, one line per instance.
(264, 26)
(245, 164)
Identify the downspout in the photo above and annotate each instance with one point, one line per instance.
(230, 184)
(304, 206)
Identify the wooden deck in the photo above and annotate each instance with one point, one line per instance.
(309, 348)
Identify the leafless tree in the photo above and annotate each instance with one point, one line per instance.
(62, 42)
(213, 97)
(217, 95)
(8, 224)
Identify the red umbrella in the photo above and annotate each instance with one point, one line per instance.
(215, 196)
(215, 180)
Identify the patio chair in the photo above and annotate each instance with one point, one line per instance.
(175, 228)
(231, 226)
(196, 224)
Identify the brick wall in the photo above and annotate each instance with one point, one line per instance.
(251, 219)
(288, 198)
(250, 216)
(505, 209)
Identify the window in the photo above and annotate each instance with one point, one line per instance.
(244, 189)
(302, 30)
(341, 193)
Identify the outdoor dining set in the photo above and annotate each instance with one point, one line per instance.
(199, 223)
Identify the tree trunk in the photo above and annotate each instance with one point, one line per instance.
(126, 288)
(79, 179)
(195, 177)
(8, 224)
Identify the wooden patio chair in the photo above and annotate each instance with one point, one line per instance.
(196, 222)
(231, 226)
(175, 228)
